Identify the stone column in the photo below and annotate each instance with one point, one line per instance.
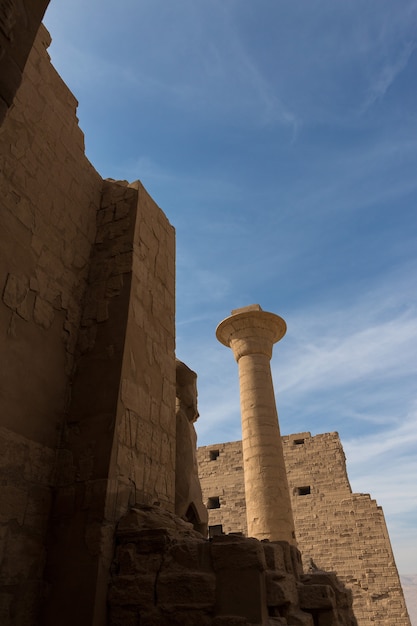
(251, 333)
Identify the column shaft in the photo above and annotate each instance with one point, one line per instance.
(251, 333)
(268, 505)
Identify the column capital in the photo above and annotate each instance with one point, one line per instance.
(251, 330)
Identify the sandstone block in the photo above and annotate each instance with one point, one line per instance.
(316, 597)
(43, 313)
(280, 591)
(298, 618)
(15, 291)
(274, 555)
(241, 592)
(178, 589)
(233, 552)
(136, 590)
(190, 555)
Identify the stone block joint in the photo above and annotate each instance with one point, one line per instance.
(251, 333)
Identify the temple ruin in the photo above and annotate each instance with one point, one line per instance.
(251, 334)
(102, 519)
(336, 530)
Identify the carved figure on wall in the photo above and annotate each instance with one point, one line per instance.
(188, 497)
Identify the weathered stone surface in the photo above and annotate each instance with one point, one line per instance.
(186, 588)
(251, 332)
(298, 618)
(136, 590)
(43, 313)
(129, 563)
(317, 597)
(164, 572)
(15, 291)
(280, 590)
(82, 277)
(188, 497)
(19, 22)
(232, 552)
(88, 420)
(152, 522)
(340, 531)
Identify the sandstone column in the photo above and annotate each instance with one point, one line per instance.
(251, 333)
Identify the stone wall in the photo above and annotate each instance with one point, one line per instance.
(340, 531)
(87, 322)
(50, 194)
(221, 476)
(343, 531)
(19, 23)
(87, 420)
(118, 447)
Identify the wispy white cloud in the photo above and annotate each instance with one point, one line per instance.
(200, 101)
(363, 353)
(385, 350)
(386, 74)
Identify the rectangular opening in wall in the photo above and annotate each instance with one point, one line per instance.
(215, 530)
(298, 442)
(214, 454)
(213, 502)
(303, 491)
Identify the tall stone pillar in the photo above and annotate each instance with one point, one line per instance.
(251, 333)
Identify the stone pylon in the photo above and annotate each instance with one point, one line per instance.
(251, 332)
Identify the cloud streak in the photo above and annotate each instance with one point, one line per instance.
(279, 138)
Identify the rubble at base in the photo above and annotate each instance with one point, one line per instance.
(164, 573)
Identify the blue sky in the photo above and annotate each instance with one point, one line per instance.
(279, 137)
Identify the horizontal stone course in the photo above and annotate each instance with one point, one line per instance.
(164, 572)
(339, 530)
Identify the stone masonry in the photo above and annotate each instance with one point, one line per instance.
(166, 574)
(19, 23)
(96, 416)
(251, 333)
(336, 530)
(87, 320)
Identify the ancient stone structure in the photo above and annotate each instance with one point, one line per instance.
(167, 574)
(19, 23)
(251, 333)
(336, 530)
(96, 414)
(87, 274)
(188, 497)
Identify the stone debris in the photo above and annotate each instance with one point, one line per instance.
(164, 573)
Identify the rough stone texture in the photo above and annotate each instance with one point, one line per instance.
(220, 469)
(188, 497)
(165, 573)
(336, 530)
(19, 23)
(87, 420)
(87, 314)
(118, 446)
(251, 333)
(50, 194)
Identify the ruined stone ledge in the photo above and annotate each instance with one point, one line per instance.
(164, 573)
